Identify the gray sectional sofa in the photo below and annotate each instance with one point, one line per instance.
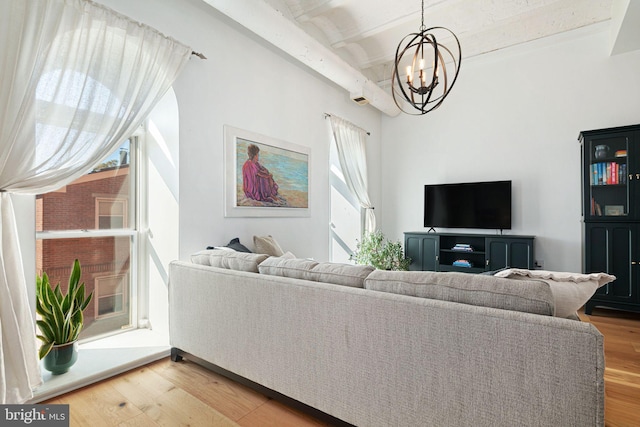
(385, 348)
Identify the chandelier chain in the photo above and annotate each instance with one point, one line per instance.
(422, 27)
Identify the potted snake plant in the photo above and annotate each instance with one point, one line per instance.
(60, 320)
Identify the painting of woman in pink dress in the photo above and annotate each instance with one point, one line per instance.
(272, 176)
(257, 181)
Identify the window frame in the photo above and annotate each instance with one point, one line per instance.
(136, 209)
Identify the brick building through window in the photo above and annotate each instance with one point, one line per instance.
(96, 202)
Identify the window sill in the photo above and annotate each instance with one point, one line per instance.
(101, 359)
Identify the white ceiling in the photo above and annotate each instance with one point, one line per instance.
(366, 33)
(360, 37)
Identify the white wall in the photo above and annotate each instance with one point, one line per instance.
(253, 86)
(515, 114)
(161, 240)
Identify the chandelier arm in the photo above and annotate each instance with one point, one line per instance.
(399, 56)
(446, 79)
(436, 102)
(446, 75)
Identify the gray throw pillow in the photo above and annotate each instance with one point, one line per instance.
(267, 245)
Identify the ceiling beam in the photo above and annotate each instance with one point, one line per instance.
(260, 18)
(625, 26)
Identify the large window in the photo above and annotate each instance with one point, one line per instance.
(346, 215)
(94, 220)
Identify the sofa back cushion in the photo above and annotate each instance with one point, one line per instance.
(341, 274)
(287, 267)
(229, 259)
(530, 296)
(202, 257)
(327, 272)
(241, 261)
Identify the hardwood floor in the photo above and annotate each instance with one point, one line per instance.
(621, 332)
(171, 394)
(179, 394)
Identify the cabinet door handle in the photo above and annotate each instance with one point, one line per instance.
(437, 257)
(630, 176)
(638, 176)
(633, 263)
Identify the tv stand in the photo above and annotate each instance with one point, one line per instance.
(439, 251)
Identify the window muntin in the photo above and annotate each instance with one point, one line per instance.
(111, 213)
(110, 295)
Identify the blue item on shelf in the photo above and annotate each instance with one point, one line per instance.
(462, 263)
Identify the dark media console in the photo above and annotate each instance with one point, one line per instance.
(468, 253)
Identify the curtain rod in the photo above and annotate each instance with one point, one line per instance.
(198, 54)
(329, 115)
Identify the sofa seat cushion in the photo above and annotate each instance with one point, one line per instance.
(530, 296)
(570, 290)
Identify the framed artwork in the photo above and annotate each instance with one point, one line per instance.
(264, 177)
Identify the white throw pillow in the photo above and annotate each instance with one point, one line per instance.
(570, 290)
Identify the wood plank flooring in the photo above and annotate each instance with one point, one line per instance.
(171, 394)
(621, 332)
(165, 393)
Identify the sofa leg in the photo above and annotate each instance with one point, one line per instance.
(175, 354)
(588, 308)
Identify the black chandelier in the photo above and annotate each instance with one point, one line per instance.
(431, 70)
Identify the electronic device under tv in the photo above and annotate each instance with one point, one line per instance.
(485, 205)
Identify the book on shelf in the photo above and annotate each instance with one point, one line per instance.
(462, 247)
(596, 210)
(608, 173)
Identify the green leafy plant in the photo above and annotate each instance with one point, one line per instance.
(61, 318)
(380, 253)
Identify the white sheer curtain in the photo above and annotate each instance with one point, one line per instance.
(77, 79)
(350, 141)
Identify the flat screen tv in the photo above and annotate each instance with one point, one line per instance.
(484, 205)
